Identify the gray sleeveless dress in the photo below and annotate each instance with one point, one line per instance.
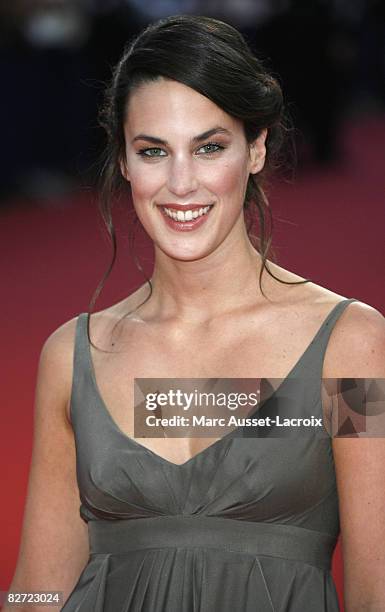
(249, 524)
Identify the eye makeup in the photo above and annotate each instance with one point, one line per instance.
(144, 151)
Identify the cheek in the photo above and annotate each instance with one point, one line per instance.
(144, 183)
(228, 179)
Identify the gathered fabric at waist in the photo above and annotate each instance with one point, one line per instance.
(179, 531)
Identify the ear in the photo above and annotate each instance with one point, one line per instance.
(258, 152)
(123, 169)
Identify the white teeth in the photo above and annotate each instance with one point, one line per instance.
(188, 215)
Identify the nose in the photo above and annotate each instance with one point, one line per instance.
(182, 178)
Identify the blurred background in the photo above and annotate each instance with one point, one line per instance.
(55, 59)
(55, 56)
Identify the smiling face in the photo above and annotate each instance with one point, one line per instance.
(185, 152)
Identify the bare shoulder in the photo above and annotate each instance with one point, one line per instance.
(359, 331)
(357, 345)
(59, 345)
(56, 362)
(293, 292)
(103, 322)
(61, 339)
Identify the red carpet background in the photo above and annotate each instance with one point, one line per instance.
(329, 226)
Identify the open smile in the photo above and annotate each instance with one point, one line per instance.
(187, 219)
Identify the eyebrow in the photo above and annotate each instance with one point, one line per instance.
(196, 139)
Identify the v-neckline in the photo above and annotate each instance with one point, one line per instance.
(108, 415)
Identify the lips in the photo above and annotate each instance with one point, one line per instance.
(187, 219)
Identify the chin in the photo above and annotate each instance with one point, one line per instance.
(182, 255)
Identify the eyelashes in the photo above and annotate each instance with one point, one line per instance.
(144, 152)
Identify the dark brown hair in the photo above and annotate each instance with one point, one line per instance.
(214, 59)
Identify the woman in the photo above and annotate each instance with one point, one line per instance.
(194, 123)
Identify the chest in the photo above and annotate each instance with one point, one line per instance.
(240, 350)
(244, 352)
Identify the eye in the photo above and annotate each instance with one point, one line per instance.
(145, 152)
(212, 144)
(151, 152)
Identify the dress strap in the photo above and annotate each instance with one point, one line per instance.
(329, 324)
(81, 340)
(312, 366)
(79, 357)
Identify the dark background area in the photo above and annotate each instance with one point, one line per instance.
(55, 59)
(56, 56)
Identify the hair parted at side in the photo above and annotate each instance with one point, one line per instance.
(213, 58)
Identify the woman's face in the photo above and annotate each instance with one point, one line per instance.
(183, 150)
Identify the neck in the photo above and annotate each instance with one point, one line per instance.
(201, 290)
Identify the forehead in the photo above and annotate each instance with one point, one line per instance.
(170, 105)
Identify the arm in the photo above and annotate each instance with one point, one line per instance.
(358, 351)
(54, 540)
